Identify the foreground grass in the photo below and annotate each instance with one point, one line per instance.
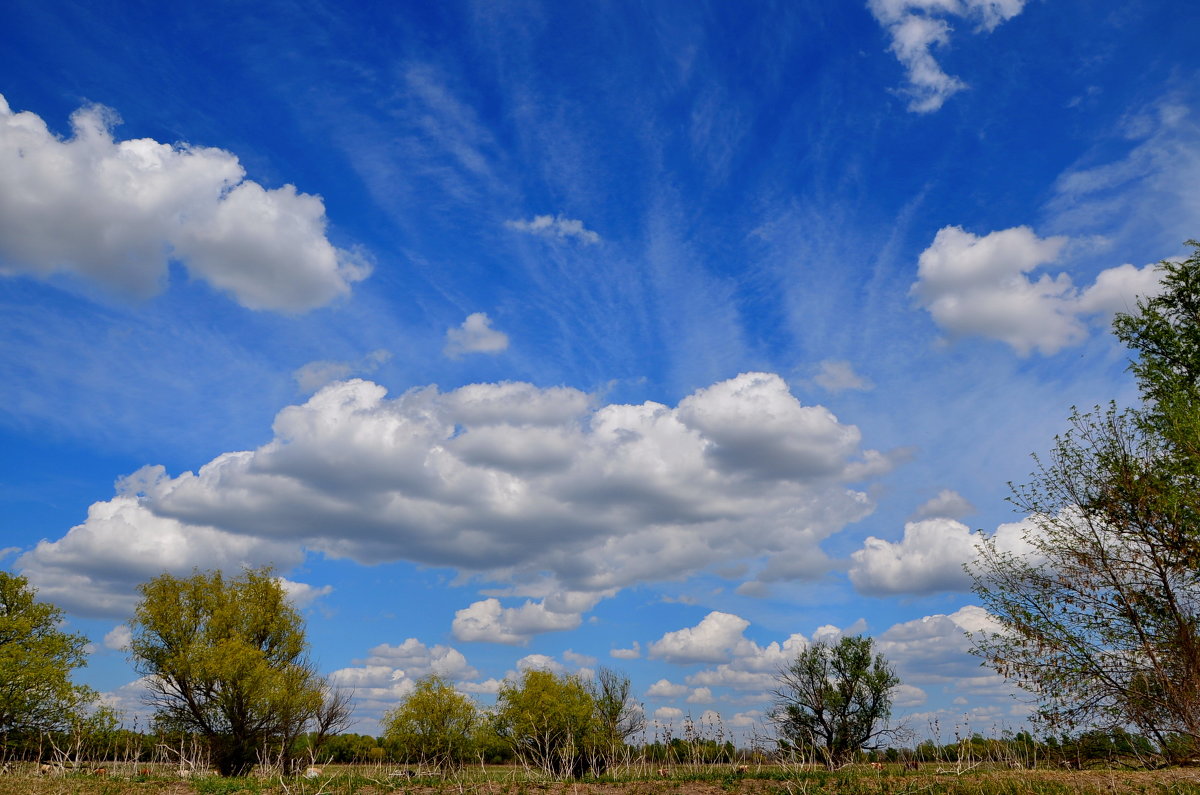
(684, 780)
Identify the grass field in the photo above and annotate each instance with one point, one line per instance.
(120, 779)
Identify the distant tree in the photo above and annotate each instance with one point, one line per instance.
(835, 700)
(36, 661)
(1101, 610)
(550, 721)
(434, 725)
(348, 748)
(227, 659)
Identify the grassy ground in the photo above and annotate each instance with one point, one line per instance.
(687, 780)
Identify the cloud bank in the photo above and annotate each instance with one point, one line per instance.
(117, 212)
(535, 487)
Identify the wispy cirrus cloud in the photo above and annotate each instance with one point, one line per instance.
(555, 226)
(835, 375)
(314, 375)
(1150, 192)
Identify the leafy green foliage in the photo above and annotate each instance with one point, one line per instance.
(550, 720)
(434, 726)
(1101, 611)
(227, 660)
(1165, 334)
(36, 661)
(835, 700)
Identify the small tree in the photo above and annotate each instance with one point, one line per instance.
(434, 725)
(551, 722)
(618, 716)
(835, 700)
(227, 659)
(36, 661)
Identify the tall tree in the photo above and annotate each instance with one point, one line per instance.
(36, 661)
(1100, 612)
(835, 700)
(227, 659)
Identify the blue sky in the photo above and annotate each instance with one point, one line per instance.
(663, 336)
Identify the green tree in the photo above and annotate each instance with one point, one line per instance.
(1100, 613)
(227, 659)
(434, 725)
(835, 700)
(1164, 332)
(550, 721)
(36, 661)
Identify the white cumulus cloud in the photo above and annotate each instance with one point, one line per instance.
(564, 501)
(929, 558)
(714, 639)
(118, 638)
(475, 335)
(908, 696)
(743, 664)
(117, 212)
(488, 621)
(666, 689)
(634, 652)
(93, 570)
(932, 651)
(389, 672)
(917, 27)
(935, 650)
(982, 286)
(302, 594)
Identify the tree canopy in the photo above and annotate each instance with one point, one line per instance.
(434, 725)
(36, 661)
(227, 659)
(553, 723)
(1100, 612)
(835, 699)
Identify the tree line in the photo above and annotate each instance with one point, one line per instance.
(226, 670)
